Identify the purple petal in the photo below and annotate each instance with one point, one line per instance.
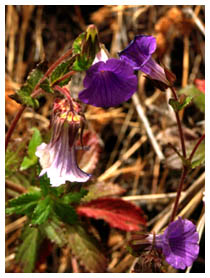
(180, 243)
(108, 84)
(139, 51)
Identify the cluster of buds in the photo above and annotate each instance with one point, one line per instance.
(58, 158)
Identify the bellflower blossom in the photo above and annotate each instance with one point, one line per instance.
(139, 55)
(108, 82)
(179, 243)
(58, 158)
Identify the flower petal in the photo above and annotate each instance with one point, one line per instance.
(180, 243)
(108, 84)
(139, 51)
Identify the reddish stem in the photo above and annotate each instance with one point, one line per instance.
(13, 125)
(69, 74)
(185, 170)
(179, 126)
(196, 146)
(176, 204)
(35, 92)
(52, 67)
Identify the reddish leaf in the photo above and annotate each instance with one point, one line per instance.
(118, 213)
(200, 84)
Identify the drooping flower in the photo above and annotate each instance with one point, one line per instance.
(139, 55)
(108, 83)
(58, 158)
(179, 243)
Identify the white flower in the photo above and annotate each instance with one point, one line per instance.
(58, 158)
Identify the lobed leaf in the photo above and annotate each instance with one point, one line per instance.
(42, 211)
(25, 199)
(24, 204)
(85, 248)
(118, 213)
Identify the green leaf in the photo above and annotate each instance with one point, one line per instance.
(57, 191)
(82, 63)
(32, 159)
(25, 199)
(23, 204)
(45, 85)
(27, 252)
(60, 71)
(26, 209)
(13, 160)
(86, 46)
(52, 230)
(186, 101)
(65, 212)
(23, 95)
(44, 184)
(198, 96)
(35, 141)
(85, 247)
(74, 197)
(77, 44)
(199, 156)
(42, 211)
(27, 163)
(177, 106)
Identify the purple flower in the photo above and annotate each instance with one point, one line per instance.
(179, 243)
(139, 55)
(108, 83)
(58, 158)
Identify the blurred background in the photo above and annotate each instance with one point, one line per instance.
(36, 33)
